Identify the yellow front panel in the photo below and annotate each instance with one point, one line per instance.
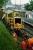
(17, 25)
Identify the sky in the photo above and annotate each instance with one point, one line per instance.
(18, 2)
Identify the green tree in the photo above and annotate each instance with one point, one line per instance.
(3, 2)
(29, 6)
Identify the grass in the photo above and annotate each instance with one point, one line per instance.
(6, 40)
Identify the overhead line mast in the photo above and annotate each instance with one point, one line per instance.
(15, 4)
(20, 4)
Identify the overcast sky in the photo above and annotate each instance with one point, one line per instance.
(18, 1)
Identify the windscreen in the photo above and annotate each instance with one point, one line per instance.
(18, 20)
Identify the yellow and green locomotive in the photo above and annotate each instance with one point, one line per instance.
(15, 20)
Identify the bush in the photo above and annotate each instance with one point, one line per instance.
(6, 40)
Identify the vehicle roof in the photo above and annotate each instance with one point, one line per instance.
(17, 17)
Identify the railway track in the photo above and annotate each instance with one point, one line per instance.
(29, 32)
(29, 29)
